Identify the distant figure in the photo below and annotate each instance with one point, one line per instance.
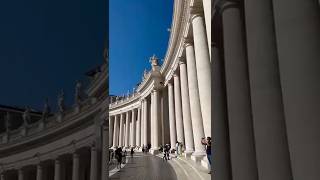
(177, 148)
(132, 151)
(207, 143)
(118, 154)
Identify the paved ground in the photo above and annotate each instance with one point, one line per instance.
(143, 167)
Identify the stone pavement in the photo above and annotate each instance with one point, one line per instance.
(150, 167)
(144, 167)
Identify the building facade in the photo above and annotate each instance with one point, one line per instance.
(172, 102)
(71, 144)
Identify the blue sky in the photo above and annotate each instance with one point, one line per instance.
(47, 45)
(138, 29)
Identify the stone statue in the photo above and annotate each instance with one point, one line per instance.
(117, 98)
(128, 93)
(26, 116)
(8, 124)
(61, 102)
(46, 110)
(154, 61)
(145, 72)
(78, 91)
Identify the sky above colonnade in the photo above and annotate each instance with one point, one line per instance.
(138, 29)
(46, 45)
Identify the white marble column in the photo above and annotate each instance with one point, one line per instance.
(111, 122)
(39, 172)
(116, 131)
(138, 132)
(133, 128)
(94, 163)
(196, 116)
(203, 70)
(186, 114)
(121, 134)
(142, 123)
(172, 121)
(207, 17)
(152, 119)
(145, 122)
(178, 110)
(127, 129)
(57, 169)
(155, 127)
(20, 174)
(105, 153)
(75, 166)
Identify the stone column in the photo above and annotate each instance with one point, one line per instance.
(2, 176)
(267, 107)
(238, 95)
(152, 119)
(145, 122)
(111, 122)
(207, 16)
(75, 166)
(94, 163)
(127, 129)
(195, 107)
(133, 128)
(177, 107)
(57, 169)
(138, 133)
(142, 123)
(155, 121)
(105, 154)
(116, 131)
(39, 172)
(20, 174)
(172, 121)
(186, 114)
(203, 70)
(121, 134)
(297, 26)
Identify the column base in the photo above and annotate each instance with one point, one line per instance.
(154, 151)
(187, 153)
(198, 156)
(205, 163)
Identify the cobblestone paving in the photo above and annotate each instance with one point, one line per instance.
(144, 167)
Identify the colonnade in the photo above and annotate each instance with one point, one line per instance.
(178, 106)
(266, 91)
(80, 165)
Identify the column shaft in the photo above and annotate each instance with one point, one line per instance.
(267, 108)
(195, 107)
(127, 129)
(155, 127)
(203, 70)
(116, 131)
(138, 133)
(111, 122)
(94, 164)
(133, 144)
(238, 93)
(39, 172)
(145, 123)
(121, 134)
(20, 174)
(186, 114)
(178, 110)
(57, 169)
(172, 122)
(75, 167)
(297, 26)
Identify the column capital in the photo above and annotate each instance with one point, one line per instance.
(182, 61)
(75, 155)
(220, 6)
(188, 42)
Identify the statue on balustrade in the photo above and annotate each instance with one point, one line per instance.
(145, 72)
(46, 110)
(7, 122)
(78, 93)
(61, 102)
(154, 62)
(26, 116)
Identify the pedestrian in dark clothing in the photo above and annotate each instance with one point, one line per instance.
(207, 143)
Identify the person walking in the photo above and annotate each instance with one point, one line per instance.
(207, 143)
(132, 152)
(177, 148)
